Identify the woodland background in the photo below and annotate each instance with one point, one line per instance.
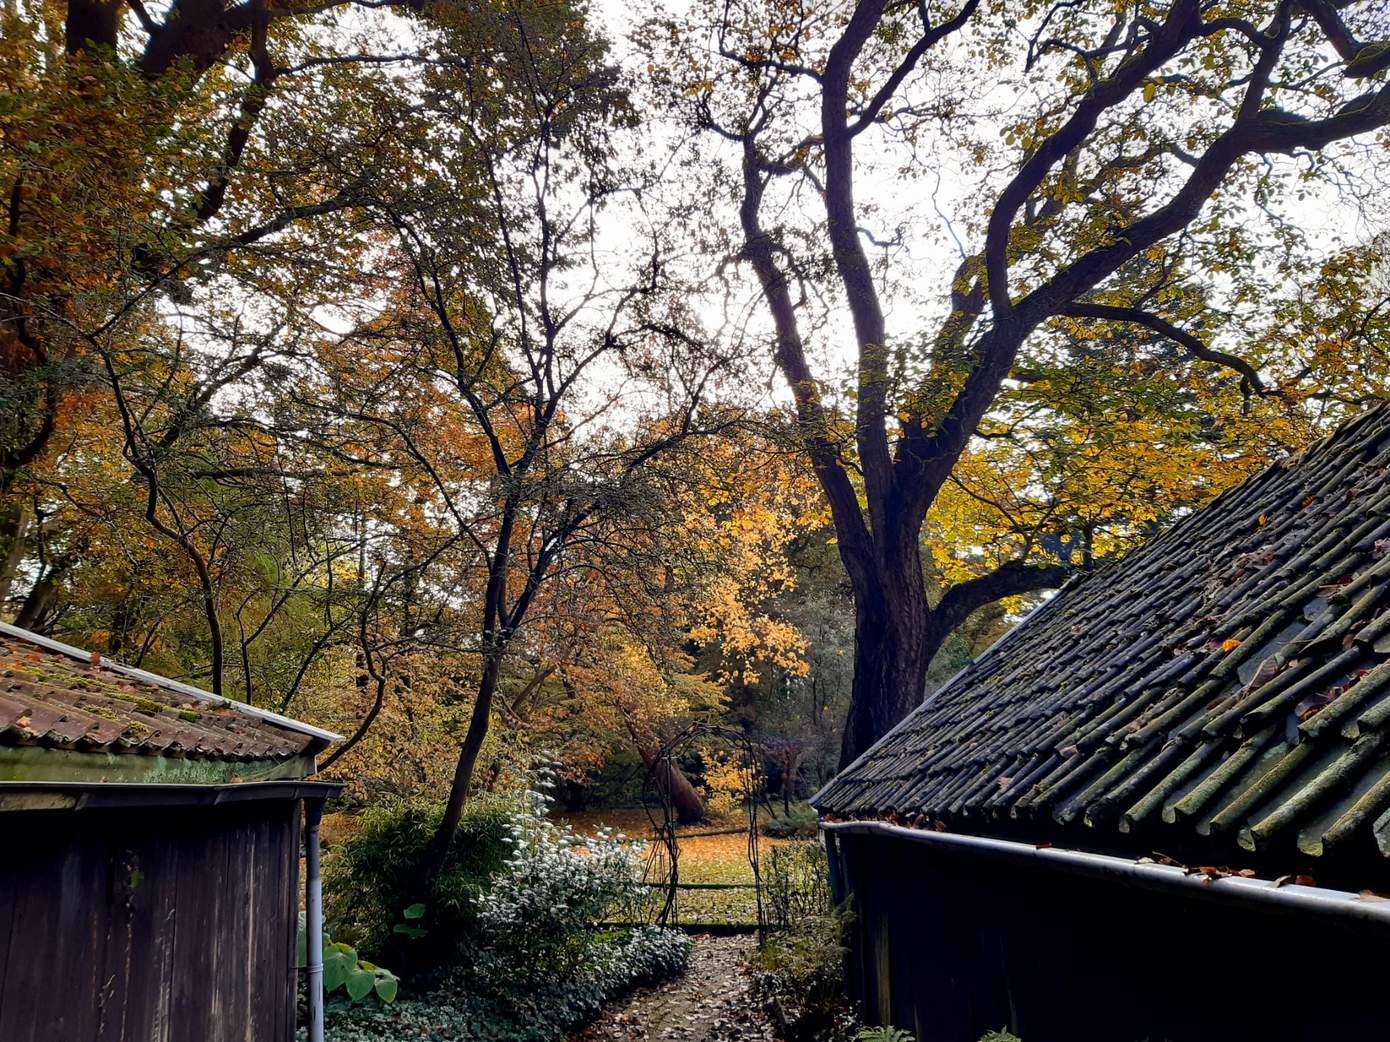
(509, 383)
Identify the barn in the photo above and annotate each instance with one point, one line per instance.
(1159, 809)
(150, 884)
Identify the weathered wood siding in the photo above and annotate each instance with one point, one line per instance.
(163, 924)
(950, 945)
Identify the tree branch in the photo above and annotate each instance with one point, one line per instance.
(1163, 327)
(1008, 580)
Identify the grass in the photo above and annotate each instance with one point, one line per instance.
(704, 859)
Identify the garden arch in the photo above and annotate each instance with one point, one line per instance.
(663, 863)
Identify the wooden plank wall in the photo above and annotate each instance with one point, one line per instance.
(950, 944)
(152, 925)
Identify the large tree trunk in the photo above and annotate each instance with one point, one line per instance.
(895, 637)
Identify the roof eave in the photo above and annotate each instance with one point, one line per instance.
(1288, 896)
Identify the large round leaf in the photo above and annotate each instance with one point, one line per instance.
(386, 985)
(338, 963)
(359, 983)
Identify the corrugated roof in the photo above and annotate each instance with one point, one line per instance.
(1228, 683)
(56, 696)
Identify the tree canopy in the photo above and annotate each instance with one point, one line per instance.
(488, 384)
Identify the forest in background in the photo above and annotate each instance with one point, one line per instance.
(378, 365)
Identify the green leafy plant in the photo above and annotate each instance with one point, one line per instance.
(342, 969)
(796, 883)
(800, 822)
(801, 975)
(887, 1033)
(380, 870)
(545, 1009)
(1000, 1036)
(411, 926)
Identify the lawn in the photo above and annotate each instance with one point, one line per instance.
(720, 858)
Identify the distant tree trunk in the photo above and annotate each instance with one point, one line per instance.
(791, 767)
(689, 808)
(14, 530)
(38, 606)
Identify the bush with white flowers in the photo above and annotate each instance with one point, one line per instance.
(537, 960)
(541, 910)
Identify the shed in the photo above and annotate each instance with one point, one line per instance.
(1160, 807)
(150, 885)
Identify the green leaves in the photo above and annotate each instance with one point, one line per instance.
(386, 984)
(359, 982)
(339, 962)
(343, 969)
(412, 914)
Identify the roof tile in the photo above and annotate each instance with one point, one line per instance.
(53, 699)
(1230, 679)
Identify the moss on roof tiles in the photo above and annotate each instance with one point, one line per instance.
(1227, 683)
(51, 700)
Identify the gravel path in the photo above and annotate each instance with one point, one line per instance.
(712, 1001)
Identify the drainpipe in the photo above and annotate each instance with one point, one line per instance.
(838, 890)
(313, 917)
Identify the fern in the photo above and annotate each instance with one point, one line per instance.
(884, 1034)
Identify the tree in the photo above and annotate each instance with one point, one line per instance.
(499, 363)
(142, 149)
(1149, 140)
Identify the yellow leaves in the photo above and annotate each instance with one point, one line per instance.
(726, 782)
(1150, 90)
(1230, 644)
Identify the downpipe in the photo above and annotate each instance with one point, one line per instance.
(313, 917)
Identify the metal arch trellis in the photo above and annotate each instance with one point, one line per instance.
(663, 863)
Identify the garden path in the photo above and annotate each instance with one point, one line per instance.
(712, 1001)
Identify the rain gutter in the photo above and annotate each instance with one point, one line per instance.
(1290, 897)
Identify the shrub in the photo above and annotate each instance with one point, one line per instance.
(530, 958)
(544, 1009)
(1000, 1036)
(796, 884)
(800, 822)
(540, 913)
(801, 973)
(373, 877)
(883, 1034)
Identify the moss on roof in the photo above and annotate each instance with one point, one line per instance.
(1227, 684)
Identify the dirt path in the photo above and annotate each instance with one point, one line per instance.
(711, 1001)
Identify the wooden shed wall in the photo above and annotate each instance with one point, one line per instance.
(951, 944)
(161, 924)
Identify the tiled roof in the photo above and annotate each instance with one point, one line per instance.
(1225, 687)
(56, 696)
